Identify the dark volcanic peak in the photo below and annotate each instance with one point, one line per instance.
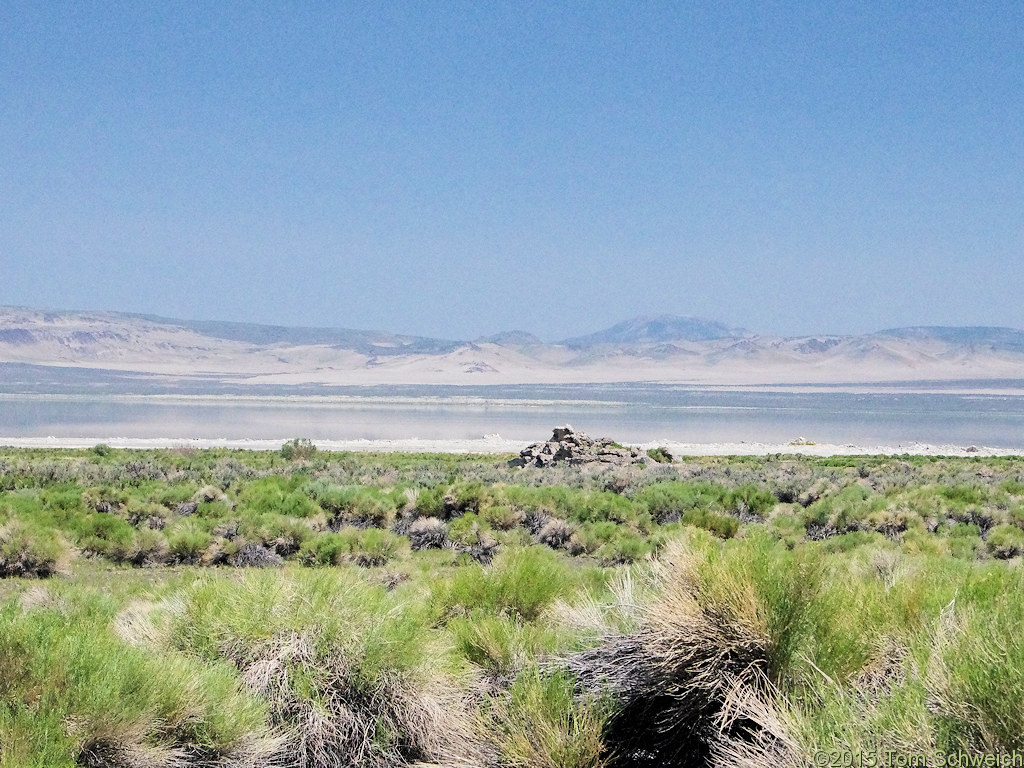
(1000, 339)
(658, 330)
(511, 339)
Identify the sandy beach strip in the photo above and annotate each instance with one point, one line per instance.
(495, 444)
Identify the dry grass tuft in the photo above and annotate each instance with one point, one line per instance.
(691, 681)
(556, 533)
(100, 753)
(428, 533)
(768, 739)
(334, 720)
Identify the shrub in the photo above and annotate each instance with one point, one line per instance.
(209, 494)
(1005, 541)
(503, 517)
(374, 547)
(298, 449)
(976, 678)
(147, 547)
(355, 505)
(603, 505)
(284, 535)
(720, 525)
(252, 555)
(29, 551)
(106, 500)
(660, 455)
(342, 665)
(723, 628)
(520, 584)
(750, 500)
(430, 502)
(465, 497)
(146, 513)
(325, 549)
(103, 534)
(555, 533)
(428, 533)
(72, 693)
(668, 502)
(367, 548)
(624, 548)
(276, 494)
(962, 495)
(187, 542)
(499, 645)
(851, 508)
(1013, 486)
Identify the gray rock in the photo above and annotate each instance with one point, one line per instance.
(561, 433)
(568, 446)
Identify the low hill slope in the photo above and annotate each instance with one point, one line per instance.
(663, 348)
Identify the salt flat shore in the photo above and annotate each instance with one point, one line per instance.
(497, 444)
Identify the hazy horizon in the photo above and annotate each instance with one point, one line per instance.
(461, 170)
(643, 318)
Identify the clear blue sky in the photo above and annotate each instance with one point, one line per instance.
(459, 168)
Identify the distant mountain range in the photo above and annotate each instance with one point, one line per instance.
(658, 330)
(660, 348)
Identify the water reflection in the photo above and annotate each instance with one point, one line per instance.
(640, 415)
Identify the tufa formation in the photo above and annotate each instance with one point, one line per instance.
(567, 446)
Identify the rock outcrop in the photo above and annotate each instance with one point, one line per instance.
(567, 446)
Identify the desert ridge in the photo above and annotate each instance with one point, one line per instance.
(654, 349)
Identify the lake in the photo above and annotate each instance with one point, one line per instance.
(631, 413)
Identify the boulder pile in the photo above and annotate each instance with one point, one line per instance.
(567, 446)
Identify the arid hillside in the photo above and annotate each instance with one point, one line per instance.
(665, 348)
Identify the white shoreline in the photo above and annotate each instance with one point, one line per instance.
(496, 444)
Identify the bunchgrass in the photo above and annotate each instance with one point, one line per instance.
(439, 610)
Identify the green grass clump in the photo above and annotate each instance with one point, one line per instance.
(520, 584)
(344, 665)
(29, 550)
(668, 502)
(368, 548)
(625, 547)
(1005, 541)
(749, 500)
(99, 533)
(853, 507)
(542, 722)
(355, 505)
(502, 645)
(1013, 486)
(71, 690)
(277, 494)
(188, 541)
(980, 710)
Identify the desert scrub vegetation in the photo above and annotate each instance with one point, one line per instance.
(30, 550)
(74, 693)
(224, 608)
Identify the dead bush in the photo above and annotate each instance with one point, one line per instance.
(428, 533)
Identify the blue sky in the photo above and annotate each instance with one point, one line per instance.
(455, 169)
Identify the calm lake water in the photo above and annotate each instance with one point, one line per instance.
(626, 413)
